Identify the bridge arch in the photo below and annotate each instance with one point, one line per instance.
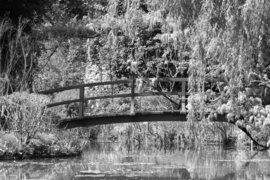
(83, 120)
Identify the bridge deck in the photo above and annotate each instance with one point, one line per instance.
(127, 118)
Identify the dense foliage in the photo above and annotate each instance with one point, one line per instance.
(28, 9)
(222, 46)
(222, 43)
(18, 57)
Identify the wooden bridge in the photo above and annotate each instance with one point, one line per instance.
(134, 116)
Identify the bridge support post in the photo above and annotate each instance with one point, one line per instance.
(183, 105)
(81, 103)
(132, 105)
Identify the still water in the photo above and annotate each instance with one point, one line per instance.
(112, 161)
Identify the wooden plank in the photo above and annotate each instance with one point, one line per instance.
(158, 93)
(108, 83)
(122, 118)
(105, 83)
(132, 103)
(84, 85)
(51, 91)
(63, 102)
(135, 95)
(108, 96)
(172, 79)
(183, 104)
(81, 104)
(129, 118)
(117, 96)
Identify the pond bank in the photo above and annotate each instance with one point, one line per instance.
(44, 145)
(7, 157)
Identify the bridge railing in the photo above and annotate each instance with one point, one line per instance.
(82, 99)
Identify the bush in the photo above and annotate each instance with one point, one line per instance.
(9, 142)
(24, 114)
(46, 139)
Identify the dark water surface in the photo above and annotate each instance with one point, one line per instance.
(111, 161)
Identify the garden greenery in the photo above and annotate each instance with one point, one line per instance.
(24, 114)
(221, 46)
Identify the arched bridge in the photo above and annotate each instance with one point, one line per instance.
(83, 120)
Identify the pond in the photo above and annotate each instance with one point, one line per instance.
(113, 161)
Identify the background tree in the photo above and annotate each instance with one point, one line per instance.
(17, 59)
(64, 54)
(18, 52)
(28, 9)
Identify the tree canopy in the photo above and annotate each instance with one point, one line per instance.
(33, 10)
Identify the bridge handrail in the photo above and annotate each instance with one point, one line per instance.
(82, 99)
(118, 96)
(106, 83)
(84, 85)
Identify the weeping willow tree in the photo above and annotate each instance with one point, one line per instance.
(229, 41)
(223, 44)
(230, 49)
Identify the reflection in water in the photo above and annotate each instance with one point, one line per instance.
(112, 161)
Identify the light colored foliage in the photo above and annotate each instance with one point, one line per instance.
(24, 114)
(225, 44)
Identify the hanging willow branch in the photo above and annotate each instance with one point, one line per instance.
(250, 136)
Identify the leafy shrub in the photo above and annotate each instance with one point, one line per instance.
(8, 141)
(47, 139)
(24, 114)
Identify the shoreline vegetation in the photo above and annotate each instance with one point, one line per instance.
(69, 145)
(38, 149)
(27, 130)
(42, 146)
